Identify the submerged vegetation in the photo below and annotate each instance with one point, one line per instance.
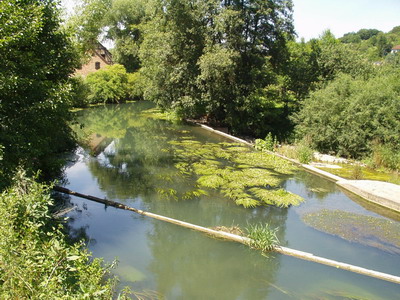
(366, 230)
(247, 177)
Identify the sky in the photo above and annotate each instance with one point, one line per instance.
(312, 17)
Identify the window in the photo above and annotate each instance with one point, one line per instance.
(97, 65)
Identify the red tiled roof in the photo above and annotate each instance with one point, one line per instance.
(397, 47)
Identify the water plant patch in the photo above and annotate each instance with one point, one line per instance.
(248, 177)
(366, 230)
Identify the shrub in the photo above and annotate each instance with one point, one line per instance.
(36, 262)
(268, 144)
(304, 153)
(108, 85)
(349, 114)
(385, 156)
(135, 86)
(79, 92)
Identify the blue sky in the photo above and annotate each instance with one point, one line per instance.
(312, 17)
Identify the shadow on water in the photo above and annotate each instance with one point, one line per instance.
(136, 164)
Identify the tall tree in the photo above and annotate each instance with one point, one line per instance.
(37, 60)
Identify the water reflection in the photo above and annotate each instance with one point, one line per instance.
(134, 161)
(197, 265)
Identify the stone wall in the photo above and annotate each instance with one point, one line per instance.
(91, 65)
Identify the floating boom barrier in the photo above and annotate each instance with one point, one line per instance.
(237, 238)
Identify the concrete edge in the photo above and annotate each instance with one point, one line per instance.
(381, 201)
(343, 183)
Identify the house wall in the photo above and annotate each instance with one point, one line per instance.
(91, 66)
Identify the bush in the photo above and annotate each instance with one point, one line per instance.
(36, 262)
(37, 58)
(304, 153)
(268, 144)
(349, 114)
(108, 85)
(135, 86)
(79, 92)
(385, 156)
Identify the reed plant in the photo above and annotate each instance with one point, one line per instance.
(262, 236)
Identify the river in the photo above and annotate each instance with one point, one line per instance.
(127, 159)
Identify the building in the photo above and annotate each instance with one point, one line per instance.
(396, 49)
(100, 58)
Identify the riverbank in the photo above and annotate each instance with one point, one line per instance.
(381, 193)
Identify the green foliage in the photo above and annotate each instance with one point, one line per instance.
(362, 34)
(135, 86)
(249, 178)
(36, 262)
(336, 58)
(357, 172)
(263, 237)
(385, 156)
(108, 85)
(304, 153)
(79, 92)
(349, 114)
(36, 61)
(212, 60)
(267, 144)
(86, 25)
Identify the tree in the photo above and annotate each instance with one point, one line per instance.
(87, 24)
(383, 45)
(37, 60)
(123, 22)
(350, 114)
(214, 55)
(108, 85)
(116, 20)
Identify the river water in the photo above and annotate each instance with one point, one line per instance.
(124, 161)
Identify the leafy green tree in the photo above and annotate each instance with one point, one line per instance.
(37, 60)
(383, 45)
(87, 25)
(349, 115)
(79, 92)
(116, 20)
(213, 56)
(123, 21)
(108, 85)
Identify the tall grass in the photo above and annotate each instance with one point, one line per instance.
(386, 157)
(263, 237)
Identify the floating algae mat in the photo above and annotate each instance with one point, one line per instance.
(367, 230)
(248, 177)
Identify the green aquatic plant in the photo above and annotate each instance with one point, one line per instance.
(247, 177)
(262, 237)
(366, 230)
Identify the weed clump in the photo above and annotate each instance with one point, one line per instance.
(263, 237)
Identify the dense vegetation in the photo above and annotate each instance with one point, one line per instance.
(37, 59)
(236, 64)
(36, 260)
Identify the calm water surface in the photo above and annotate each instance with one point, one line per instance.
(123, 162)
